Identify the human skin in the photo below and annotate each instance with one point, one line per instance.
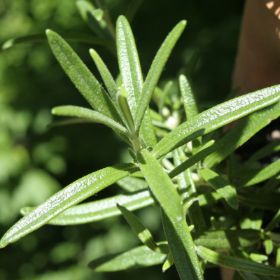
(258, 58)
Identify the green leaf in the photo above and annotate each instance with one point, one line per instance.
(105, 74)
(132, 184)
(236, 263)
(189, 102)
(198, 156)
(175, 225)
(137, 257)
(88, 114)
(168, 262)
(80, 75)
(241, 133)
(260, 175)
(217, 117)
(156, 70)
(227, 239)
(129, 64)
(131, 75)
(221, 185)
(69, 196)
(98, 210)
(138, 228)
(92, 16)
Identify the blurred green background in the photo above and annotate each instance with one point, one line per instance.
(36, 160)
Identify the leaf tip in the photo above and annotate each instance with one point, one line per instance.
(93, 52)
(54, 111)
(48, 32)
(8, 44)
(3, 243)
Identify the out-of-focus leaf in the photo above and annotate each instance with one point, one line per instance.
(241, 133)
(168, 262)
(88, 114)
(220, 239)
(94, 17)
(221, 185)
(156, 70)
(175, 226)
(80, 75)
(38, 38)
(98, 210)
(258, 176)
(267, 150)
(217, 117)
(138, 228)
(274, 221)
(69, 196)
(236, 262)
(138, 257)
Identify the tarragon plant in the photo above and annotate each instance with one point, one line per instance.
(177, 165)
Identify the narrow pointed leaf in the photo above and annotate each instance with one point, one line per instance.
(176, 228)
(221, 185)
(186, 184)
(98, 210)
(88, 114)
(236, 263)
(129, 64)
(226, 239)
(156, 70)
(105, 74)
(198, 156)
(131, 75)
(67, 197)
(168, 263)
(189, 102)
(137, 257)
(94, 17)
(138, 228)
(217, 117)
(80, 75)
(241, 133)
(267, 150)
(261, 175)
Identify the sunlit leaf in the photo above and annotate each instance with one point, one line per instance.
(175, 226)
(67, 197)
(156, 70)
(88, 114)
(217, 117)
(138, 257)
(80, 75)
(98, 210)
(241, 133)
